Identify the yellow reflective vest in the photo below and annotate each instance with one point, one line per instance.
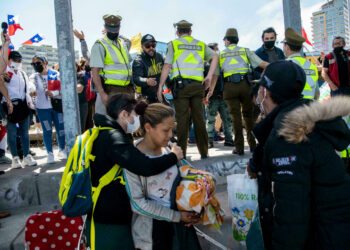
(188, 58)
(311, 73)
(234, 60)
(116, 69)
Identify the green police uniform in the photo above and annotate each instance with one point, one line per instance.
(234, 63)
(310, 69)
(187, 56)
(114, 59)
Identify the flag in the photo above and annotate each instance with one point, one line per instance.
(135, 44)
(53, 83)
(13, 23)
(305, 36)
(11, 47)
(35, 39)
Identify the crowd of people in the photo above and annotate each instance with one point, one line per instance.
(303, 202)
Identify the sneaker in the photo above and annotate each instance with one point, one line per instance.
(32, 153)
(29, 161)
(50, 158)
(5, 160)
(229, 144)
(62, 154)
(16, 162)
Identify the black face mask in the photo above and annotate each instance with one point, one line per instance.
(269, 44)
(337, 50)
(38, 68)
(112, 36)
(87, 68)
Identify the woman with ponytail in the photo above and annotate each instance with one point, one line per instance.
(156, 222)
(112, 215)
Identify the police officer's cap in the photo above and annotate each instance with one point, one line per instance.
(293, 38)
(284, 79)
(183, 24)
(112, 22)
(231, 32)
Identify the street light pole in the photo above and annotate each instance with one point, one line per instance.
(66, 56)
(292, 16)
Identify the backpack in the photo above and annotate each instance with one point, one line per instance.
(77, 195)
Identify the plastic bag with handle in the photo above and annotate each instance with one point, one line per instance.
(243, 201)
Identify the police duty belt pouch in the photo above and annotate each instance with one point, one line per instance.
(243, 202)
(77, 195)
(20, 110)
(56, 104)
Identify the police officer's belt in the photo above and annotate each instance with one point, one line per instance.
(235, 78)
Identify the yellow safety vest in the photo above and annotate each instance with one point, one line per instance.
(311, 73)
(188, 58)
(234, 60)
(116, 69)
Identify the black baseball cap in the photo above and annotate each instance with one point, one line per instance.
(284, 78)
(15, 55)
(147, 38)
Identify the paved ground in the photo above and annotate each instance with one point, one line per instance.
(27, 191)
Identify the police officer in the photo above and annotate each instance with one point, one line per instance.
(185, 59)
(292, 46)
(236, 63)
(110, 64)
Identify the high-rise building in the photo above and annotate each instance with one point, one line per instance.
(330, 21)
(51, 53)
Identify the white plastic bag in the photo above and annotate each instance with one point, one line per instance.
(243, 201)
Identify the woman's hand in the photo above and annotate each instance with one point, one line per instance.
(177, 150)
(48, 93)
(190, 218)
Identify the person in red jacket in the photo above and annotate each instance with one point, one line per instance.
(336, 68)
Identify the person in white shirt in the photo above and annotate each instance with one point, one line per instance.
(18, 89)
(43, 79)
(156, 221)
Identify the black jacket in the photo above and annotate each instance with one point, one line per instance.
(305, 191)
(143, 67)
(111, 147)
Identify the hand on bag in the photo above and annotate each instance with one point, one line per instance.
(151, 82)
(177, 150)
(48, 93)
(9, 107)
(190, 218)
(251, 174)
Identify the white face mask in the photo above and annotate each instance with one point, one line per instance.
(133, 127)
(16, 66)
(261, 106)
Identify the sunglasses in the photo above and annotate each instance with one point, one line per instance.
(36, 64)
(150, 45)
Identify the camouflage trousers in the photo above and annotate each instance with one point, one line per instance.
(215, 106)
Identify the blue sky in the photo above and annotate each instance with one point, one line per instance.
(210, 18)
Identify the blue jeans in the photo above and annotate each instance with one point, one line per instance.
(22, 132)
(46, 117)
